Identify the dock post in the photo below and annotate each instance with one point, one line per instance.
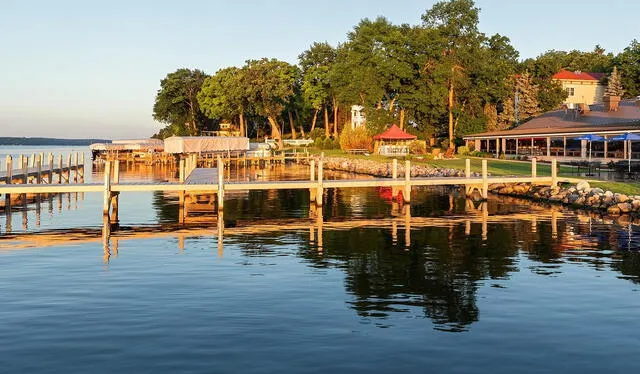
(50, 163)
(38, 169)
(9, 163)
(394, 168)
(220, 184)
(32, 160)
(115, 196)
(467, 168)
(182, 167)
(25, 170)
(554, 172)
(312, 177)
(7, 197)
(319, 189)
(407, 181)
(81, 166)
(485, 181)
(69, 168)
(534, 168)
(60, 169)
(107, 189)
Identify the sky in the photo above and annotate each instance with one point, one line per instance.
(80, 69)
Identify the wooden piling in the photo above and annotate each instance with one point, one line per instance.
(38, 162)
(485, 180)
(50, 163)
(534, 168)
(312, 177)
(467, 168)
(60, 169)
(25, 170)
(554, 172)
(220, 184)
(115, 197)
(107, 188)
(182, 168)
(7, 197)
(407, 181)
(319, 189)
(394, 169)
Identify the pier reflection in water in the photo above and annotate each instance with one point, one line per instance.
(428, 259)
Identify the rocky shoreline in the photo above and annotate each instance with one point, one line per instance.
(578, 196)
(384, 169)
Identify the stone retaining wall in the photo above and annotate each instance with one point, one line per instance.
(383, 169)
(580, 196)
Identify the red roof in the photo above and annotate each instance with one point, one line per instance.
(394, 133)
(578, 75)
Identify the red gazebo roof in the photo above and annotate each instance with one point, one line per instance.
(394, 133)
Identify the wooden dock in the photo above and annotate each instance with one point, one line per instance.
(210, 181)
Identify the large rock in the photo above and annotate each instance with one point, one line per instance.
(621, 198)
(614, 209)
(624, 207)
(583, 186)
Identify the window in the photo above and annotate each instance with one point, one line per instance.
(570, 91)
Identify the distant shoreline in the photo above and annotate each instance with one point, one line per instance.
(49, 141)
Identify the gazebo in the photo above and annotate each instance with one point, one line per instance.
(393, 142)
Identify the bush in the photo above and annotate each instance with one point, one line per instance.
(316, 133)
(358, 138)
(418, 147)
(463, 150)
(502, 156)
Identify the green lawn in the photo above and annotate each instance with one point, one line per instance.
(627, 188)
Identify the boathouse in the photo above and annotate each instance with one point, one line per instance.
(553, 134)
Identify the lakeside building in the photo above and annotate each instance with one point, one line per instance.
(553, 134)
(581, 87)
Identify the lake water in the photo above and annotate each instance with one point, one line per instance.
(366, 285)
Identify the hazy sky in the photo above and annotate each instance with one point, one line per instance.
(92, 68)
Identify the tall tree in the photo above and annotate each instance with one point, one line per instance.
(614, 84)
(176, 101)
(629, 63)
(270, 86)
(527, 97)
(223, 95)
(316, 64)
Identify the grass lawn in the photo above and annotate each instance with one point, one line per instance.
(627, 188)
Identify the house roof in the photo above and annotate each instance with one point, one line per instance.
(394, 133)
(597, 120)
(578, 75)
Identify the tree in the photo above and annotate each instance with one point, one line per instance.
(223, 95)
(629, 63)
(614, 85)
(176, 103)
(270, 85)
(527, 97)
(316, 64)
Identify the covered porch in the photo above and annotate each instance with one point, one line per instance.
(562, 147)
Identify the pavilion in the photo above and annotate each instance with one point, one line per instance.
(393, 141)
(553, 134)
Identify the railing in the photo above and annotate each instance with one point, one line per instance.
(393, 150)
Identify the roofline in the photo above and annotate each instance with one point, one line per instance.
(606, 132)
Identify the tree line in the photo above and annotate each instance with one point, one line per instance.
(442, 77)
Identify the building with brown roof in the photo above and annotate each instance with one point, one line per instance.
(553, 134)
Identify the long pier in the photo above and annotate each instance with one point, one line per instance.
(210, 181)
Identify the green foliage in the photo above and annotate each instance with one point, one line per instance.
(614, 85)
(527, 92)
(223, 95)
(358, 138)
(418, 147)
(378, 120)
(629, 63)
(316, 133)
(463, 150)
(176, 103)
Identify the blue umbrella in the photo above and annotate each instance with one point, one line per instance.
(623, 138)
(590, 138)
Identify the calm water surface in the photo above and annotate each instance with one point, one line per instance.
(366, 285)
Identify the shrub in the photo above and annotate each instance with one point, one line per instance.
(418, 147)
(502, 156)
(327, 143)
(358, 138)
(463, 150)
(316, 133)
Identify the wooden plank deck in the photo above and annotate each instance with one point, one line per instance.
(202, 176)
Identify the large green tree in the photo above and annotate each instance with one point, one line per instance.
(176, 102)
(316, 64)
(629, 64)
(224, 95)
(270, 87)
